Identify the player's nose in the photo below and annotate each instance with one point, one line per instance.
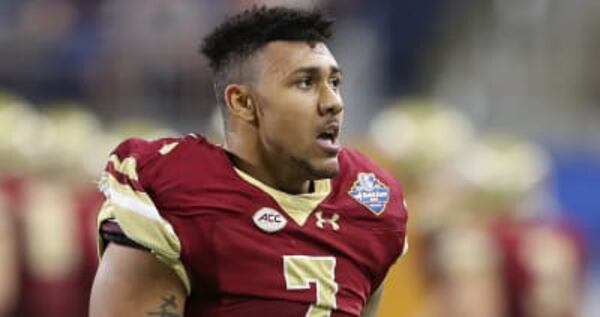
(330, 101)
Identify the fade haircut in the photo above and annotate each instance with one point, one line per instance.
(230, 45)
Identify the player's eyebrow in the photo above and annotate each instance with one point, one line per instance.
(334, 70)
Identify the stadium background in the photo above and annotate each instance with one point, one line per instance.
(76, 76)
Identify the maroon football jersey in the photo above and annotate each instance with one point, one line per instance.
(53, 224)
(543, 265)
(60, 259)
(244, 249)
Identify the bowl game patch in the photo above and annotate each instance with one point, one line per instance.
(370, 192)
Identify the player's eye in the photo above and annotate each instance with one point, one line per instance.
(335, 82)
(305, 83)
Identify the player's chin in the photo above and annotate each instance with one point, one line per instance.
(325, 167)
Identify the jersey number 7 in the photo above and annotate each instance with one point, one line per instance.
(302, 270)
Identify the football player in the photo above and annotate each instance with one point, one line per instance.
(16, 118)
(281, 221)
(500, 250)
(428, 138)
(54, 204)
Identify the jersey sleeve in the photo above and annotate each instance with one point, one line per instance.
(126, 184)
(404, 208)
(397, 214)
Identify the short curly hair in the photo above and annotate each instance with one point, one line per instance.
(243, 34)
(240, 36)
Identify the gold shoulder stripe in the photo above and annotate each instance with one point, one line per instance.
(154, 234)
(127, 167)
(128, 198)
(167, 148)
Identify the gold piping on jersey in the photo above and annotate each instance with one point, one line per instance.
(167, 148)
(128, 166)
(127, 197)
(298, 207)
(150, 233)
(141, 222)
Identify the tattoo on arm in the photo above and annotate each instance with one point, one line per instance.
(166, 308)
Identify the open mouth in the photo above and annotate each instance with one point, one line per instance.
(328, 136)
(328, 139)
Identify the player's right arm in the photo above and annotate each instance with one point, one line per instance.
(132, 282)
(141, 272)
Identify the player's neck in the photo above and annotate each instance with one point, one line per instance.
(272, 172)
(276, 180)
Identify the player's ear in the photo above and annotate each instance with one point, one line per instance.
(239, 102)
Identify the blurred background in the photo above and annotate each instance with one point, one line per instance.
(488, 112)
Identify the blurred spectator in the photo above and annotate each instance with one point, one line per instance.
(49, 203)
(16, 120)
(498, 251)
(418, 139)
(57, 248)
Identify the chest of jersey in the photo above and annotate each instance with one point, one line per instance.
(242, 243)
(238, 242)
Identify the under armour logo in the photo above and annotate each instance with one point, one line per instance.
(331, 221)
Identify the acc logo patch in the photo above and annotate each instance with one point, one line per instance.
(269, 220)
(369, 191)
